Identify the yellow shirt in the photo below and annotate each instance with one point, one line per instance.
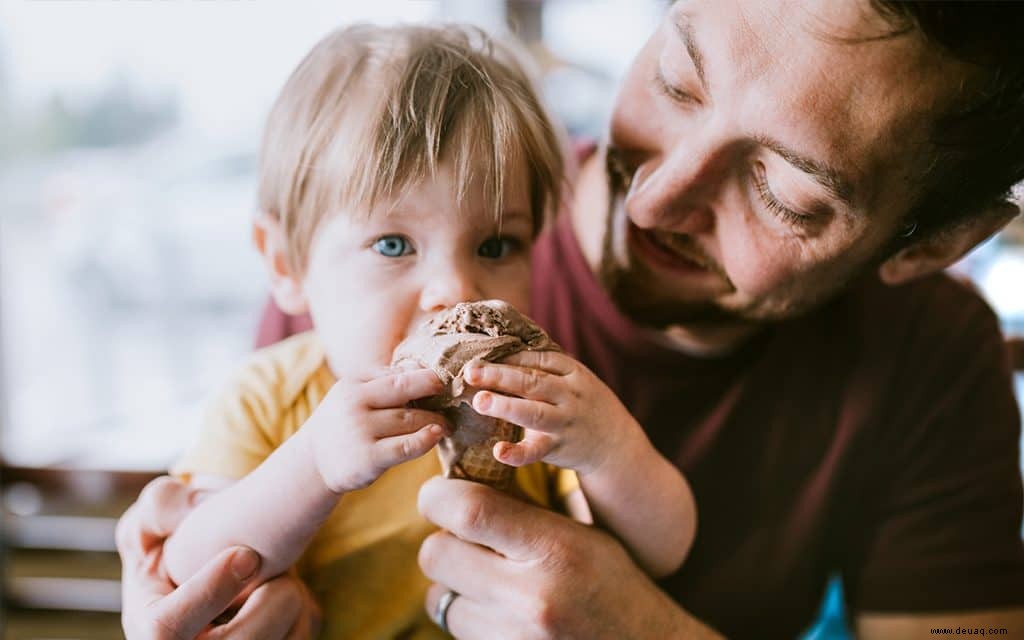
(361, 565)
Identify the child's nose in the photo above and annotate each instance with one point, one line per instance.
(448, 290)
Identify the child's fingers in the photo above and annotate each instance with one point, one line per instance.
(533, 448)
(395, 390)
(554, 362)
(531, 414)
(397, 449)
(387, 423)
(524, 382)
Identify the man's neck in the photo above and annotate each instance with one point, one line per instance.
(588, 211)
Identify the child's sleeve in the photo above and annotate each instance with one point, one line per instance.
(565, 482)
(546, 485)
(265, 403)
(237, 433)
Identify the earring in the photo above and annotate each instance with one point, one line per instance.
(909, 229)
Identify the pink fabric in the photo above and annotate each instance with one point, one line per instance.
(276, 325)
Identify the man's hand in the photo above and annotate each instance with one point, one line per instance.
(523, 572)
(153, 608)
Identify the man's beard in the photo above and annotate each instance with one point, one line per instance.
(635, 291)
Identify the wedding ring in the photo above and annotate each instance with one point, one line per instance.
(441, 610)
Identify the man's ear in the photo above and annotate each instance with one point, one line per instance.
(285, 286)
(938, 251)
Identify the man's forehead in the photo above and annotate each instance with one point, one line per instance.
(840, 47)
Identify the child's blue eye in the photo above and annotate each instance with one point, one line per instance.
(392, 246)
(497, 247)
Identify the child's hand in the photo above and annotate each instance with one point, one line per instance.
(363, 428)
(572, 419)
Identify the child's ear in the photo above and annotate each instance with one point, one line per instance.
(944, 248)
(285, 286)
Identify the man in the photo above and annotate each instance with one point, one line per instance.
(751, 267)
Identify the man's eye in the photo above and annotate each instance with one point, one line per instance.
(497, 247)
(774, 205)
(672, 92)
(392, 246)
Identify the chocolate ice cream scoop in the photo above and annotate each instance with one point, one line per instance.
(487, 330)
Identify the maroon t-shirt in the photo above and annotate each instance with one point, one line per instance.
(877, 437)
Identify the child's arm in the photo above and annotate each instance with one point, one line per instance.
(573, 420)
(358, 432)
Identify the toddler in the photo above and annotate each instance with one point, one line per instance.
(403, 170)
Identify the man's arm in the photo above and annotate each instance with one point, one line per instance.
(523, 571)
(879, 626)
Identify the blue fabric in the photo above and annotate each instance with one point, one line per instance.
(831, 623)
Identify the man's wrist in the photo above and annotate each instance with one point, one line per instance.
(665, 618)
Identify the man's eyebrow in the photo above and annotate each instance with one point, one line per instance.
(685, 31)
(830, 178)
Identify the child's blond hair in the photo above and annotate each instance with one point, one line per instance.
(372, 111)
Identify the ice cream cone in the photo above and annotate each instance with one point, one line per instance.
(489, 330)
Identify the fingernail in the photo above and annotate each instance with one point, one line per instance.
(473, 372)
(483, 400)
(244, 564)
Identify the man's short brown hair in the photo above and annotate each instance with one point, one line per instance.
(978, 140)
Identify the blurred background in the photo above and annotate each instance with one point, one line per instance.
(128, 286)
(129, 289)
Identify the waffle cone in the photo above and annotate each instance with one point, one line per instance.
(468, 453)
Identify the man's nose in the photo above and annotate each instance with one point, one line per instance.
(676, 190)
(447, 288)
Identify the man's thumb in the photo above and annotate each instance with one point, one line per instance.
(199, 600)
